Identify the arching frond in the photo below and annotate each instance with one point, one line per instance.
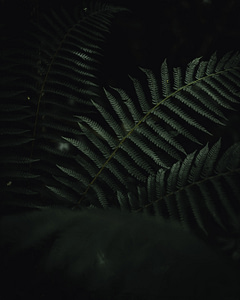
(197, 192)
(134, 134)
(50, 77)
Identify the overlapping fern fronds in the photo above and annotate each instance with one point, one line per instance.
(203, 189)
(140, 132)
(133, 149)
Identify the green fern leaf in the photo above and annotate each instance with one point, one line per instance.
(138, 135)
(197, 191)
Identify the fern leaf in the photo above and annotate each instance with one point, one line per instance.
(53, 76)
(138, 135)
(198, 188)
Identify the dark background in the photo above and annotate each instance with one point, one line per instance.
(179, 30)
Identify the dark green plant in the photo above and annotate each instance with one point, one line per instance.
(155, 148)
(50, 78)
(68, 141)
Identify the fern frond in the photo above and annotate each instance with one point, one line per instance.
(52, 76)
(203, 186)
(137, 134)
